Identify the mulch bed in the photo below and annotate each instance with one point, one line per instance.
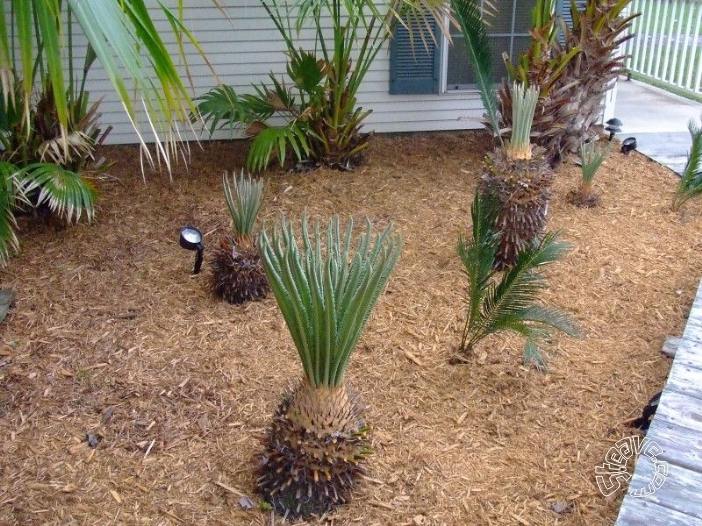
(111, 336)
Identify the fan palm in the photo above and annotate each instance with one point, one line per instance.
(319, 105)
(237, 273)
(510, 303)
(56, 134)
(318, 437)
(690, 184)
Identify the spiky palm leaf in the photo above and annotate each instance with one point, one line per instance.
(244, 197)
(592, 155)
(597, 33)
(469, 14)
(690, 184)
(507, 305)
(237, 272)
(326, 294)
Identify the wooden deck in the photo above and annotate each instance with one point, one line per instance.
(677, 429)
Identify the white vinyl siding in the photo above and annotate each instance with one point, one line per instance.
(244, 48)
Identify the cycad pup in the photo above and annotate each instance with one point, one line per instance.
(237, 272)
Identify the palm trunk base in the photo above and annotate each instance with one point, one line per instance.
(312, 451)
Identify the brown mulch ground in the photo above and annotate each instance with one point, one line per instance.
(110, 335)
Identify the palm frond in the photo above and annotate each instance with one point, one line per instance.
(690, 184)
(275, 141)
(524, 101)
(66, 192)
(244, 198)
(510, 303)
(470, 17)
(221, 106)
(592, 155)
(478, 256)
(326, 295)
(11, 191)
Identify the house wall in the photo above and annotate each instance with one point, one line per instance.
(244, 47)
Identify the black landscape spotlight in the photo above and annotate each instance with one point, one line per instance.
(628, 145)
(191, 239)
(614, 125)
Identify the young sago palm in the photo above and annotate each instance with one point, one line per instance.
(518, 176)
(318, 437)
(690, 184)
(510, 304)
(238, 275)
(592, 155)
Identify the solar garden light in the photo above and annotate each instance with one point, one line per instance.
(614, 125)
(628, 145)
(191, 239)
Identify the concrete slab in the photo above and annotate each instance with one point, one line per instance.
(658, 120)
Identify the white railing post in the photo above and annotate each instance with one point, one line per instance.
(678, 80)
(661, 49)
(695, 51)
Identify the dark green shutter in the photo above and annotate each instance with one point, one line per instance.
(414, 67)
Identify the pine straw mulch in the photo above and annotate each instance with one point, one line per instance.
(110, 335)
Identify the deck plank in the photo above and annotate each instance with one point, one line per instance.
(636, 512)
(682, 410)
(680, 491)
(679, 445)
(677, 430)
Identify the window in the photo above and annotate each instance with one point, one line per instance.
(508, 32)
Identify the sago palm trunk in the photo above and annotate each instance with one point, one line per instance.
(312, 450)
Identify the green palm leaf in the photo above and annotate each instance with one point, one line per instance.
(510, 303)
(244, 198)
(325, 293)
(470, 17)
(11, 190)
(66, 192)
(690, 184)
(275, 141)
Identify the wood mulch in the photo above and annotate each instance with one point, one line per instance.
(111, 336)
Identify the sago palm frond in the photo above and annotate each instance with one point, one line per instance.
(592, 155)
(510, 303)
(690, 184)
(470, 17)
(66, 192)
(523, 106)
(326, 295)
(244, 198)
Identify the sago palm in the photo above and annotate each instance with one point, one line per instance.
(592, 155)
(318, 438)
(237, 273)
(507, 304)
(598, 33)
(690, 184)
(518, 176)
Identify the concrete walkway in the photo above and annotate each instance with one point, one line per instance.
(658, 120)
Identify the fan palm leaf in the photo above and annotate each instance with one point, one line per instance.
(66, 193)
